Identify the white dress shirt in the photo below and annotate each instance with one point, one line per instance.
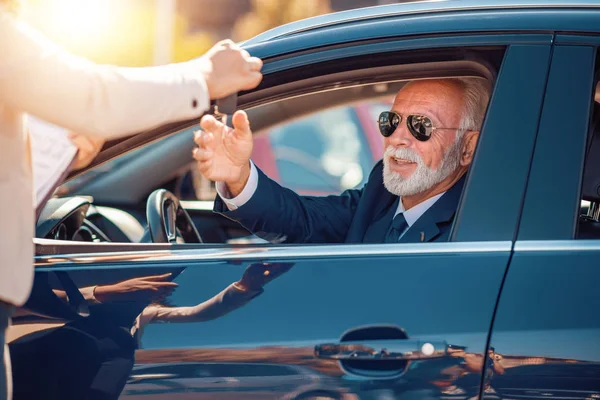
(40, 78)
(232, 203)
(412, 215)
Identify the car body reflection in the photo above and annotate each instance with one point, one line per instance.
(99, 348)
(228, 380)
(542, 378)
(254, 371)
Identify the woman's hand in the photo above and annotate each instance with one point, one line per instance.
(88, 146)
(136, 289)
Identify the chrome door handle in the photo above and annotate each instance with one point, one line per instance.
(373, 350)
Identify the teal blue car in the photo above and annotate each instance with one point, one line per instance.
(507, 308)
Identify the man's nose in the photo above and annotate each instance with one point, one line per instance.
(401, 136)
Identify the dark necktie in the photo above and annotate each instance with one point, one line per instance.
(396, 228)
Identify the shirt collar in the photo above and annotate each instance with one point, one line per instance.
(415, 213)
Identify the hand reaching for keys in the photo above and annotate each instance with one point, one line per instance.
(223, 154)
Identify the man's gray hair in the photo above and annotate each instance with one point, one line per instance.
(477, 93)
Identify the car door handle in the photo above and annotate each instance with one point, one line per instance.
(373, 350)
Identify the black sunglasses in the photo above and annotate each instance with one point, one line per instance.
(420, 126)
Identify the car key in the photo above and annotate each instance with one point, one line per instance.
(224, 107)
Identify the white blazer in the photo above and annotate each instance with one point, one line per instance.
(39, 78)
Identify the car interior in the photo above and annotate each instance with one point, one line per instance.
(84, 216)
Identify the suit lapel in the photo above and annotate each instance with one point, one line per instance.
(382, 199)
(423, 230)
(427, 227)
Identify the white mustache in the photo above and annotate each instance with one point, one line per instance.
(403, 153)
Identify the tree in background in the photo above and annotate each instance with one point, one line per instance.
(268, 14)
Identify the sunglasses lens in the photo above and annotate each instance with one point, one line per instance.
(388, 122)
(420, 126)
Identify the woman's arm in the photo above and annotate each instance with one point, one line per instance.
(40, 78)
(232, 298)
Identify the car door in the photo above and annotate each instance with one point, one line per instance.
(359, 321)
(546, 330)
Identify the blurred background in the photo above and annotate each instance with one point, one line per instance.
(153, 32)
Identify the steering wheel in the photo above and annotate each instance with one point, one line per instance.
(168, 222)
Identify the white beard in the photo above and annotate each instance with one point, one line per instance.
(423, 178)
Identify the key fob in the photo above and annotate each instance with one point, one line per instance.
(224, 107)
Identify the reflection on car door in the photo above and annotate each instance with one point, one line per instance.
(411, 300)
(219, 380)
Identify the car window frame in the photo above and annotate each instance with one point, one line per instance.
(551, 211)
(495, 188)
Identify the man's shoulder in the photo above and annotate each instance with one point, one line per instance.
(374, 191)
(376, 175)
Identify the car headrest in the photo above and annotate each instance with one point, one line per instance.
(591, 173)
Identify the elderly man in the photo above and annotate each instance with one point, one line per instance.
(411, 195)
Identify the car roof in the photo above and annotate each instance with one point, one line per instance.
(413, 8)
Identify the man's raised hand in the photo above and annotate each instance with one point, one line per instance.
(223, 154)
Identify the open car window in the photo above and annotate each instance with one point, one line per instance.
(315, 136)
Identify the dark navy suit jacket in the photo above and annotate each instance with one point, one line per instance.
(356, 216)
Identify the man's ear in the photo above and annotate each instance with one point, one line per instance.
(468, 148)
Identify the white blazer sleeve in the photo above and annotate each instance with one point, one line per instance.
(40, 78)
